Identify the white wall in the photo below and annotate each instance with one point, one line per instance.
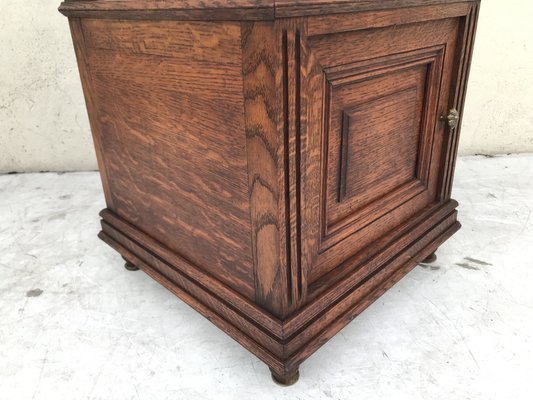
(498, 115)
(43, 122)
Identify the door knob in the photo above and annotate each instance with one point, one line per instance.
(452, 118)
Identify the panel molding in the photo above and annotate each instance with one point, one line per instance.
(279, 343)
(274, 64)
(332, 232)
(457, 101)
(347, 116)
(343, 168)
(292, 48)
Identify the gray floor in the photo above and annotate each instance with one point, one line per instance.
(75, 325)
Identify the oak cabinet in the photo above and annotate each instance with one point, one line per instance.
(279, 164)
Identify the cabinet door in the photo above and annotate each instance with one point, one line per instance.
(375, 100)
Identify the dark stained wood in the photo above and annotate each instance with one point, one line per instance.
(352, 305)
(209, 283)
(413, 56)
(337, 23)
(170, 9)
(88, 91)
(261, 62)
(292, 70)
(389, 108)
(299, 8)
(198, 209)
(276, 165)
(214, 301)
(250, 10)
(460, 75)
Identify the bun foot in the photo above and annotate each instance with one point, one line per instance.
(129, 266)
(287, 379)
(430, 259)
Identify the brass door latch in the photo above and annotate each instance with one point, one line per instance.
(452, 118)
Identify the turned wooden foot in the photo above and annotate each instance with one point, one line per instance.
(287, 379)
(129, 266)
(429, 259)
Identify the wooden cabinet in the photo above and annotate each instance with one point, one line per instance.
(279, 164)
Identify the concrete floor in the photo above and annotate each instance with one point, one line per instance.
(74, 324)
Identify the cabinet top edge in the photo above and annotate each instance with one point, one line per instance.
(171, 9)
(240, 10)
(301, 8)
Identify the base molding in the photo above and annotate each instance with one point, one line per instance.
(282, 345)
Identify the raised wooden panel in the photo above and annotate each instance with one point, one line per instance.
(377, 137)
(383, 90)
(171, 114)
(370, 168)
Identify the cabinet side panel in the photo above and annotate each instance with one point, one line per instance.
(81, 57)
(171, 123)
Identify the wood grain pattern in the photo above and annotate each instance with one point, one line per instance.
(257, 9)
(276, 165)
(390, 164)
(291, 47)
(261, 62)
(327, 326)
(460, 72)
(299, 8)
(198, 209)
(170, 9)
(88, 91)
(360, 175)
(426, 49)
(336, 23)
